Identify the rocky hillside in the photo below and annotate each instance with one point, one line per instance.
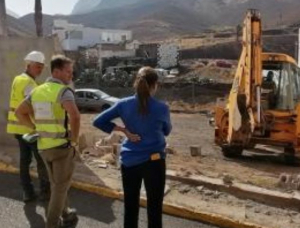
(11, 13)
(85, 6)
(159, 19)
(18, 28)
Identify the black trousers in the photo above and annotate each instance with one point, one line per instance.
(26, 152)
(153, 173)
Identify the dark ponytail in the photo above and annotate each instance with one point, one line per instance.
(145, 82)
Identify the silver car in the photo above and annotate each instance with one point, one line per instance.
(93, 99)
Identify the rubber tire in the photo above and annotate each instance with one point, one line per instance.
(232, 151)
(289, 156)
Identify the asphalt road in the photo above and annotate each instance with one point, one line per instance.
(94, 211)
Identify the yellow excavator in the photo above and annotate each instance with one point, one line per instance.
(263, 105)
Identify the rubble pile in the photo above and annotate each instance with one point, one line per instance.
(289, 181)
(204, 71)
(118, 78)
(102, 153)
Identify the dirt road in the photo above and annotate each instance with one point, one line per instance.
(193, 129)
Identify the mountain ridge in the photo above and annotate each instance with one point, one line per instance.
(168, 18)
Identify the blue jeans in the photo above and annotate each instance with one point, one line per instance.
(26, 152)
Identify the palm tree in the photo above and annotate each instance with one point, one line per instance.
(38, 18)
(3, 26)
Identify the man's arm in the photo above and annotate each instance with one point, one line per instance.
(23, 113)
(74, 115)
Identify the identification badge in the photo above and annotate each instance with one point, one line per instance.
(42, 110)
(155, 157)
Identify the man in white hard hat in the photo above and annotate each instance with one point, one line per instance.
(21, 87)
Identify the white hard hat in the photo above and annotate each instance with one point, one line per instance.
(35, 56)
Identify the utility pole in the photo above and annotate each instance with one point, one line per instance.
(38, 18)
(3, 25)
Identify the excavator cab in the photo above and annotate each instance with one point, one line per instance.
(280, 89)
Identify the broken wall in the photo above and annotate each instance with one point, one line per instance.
(12, 52)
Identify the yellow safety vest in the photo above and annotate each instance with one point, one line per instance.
(49, 116)
(21, 85)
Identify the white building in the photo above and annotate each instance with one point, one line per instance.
(72, 36)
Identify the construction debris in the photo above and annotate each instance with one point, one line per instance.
(227, 179)
(200, 188)
(184, 189)
(170, 150)
(195, 151)
(98, 151)
(110, 140)
(289, 181)
(109, 158)
(106, 149)
(99, 163)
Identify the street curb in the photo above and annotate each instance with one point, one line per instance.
(242, 191)
(170, 209)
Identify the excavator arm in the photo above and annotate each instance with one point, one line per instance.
(244, 113)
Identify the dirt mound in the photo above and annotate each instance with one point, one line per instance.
(209, 71)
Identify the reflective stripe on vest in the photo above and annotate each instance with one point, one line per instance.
(62, 122)
(20, 84)
(49, 115)
(53, 135)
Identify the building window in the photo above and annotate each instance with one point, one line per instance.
(123, 38)
(76, 35)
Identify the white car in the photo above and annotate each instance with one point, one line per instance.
(174, 71)
(93, 99)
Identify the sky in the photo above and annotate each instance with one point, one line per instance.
(23, 7)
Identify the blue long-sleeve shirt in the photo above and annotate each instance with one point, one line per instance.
(152, 128)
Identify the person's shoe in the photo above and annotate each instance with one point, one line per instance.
(69, 219)
(29, 196)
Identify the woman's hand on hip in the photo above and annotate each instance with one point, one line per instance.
(132, 137)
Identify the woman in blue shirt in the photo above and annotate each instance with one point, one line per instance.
(147, 122)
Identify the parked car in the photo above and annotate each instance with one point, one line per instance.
(161, 72)
(174, 71)
(93, 99)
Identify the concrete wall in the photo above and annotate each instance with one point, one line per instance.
(12, 52)
(110, 54)
(116, 35)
